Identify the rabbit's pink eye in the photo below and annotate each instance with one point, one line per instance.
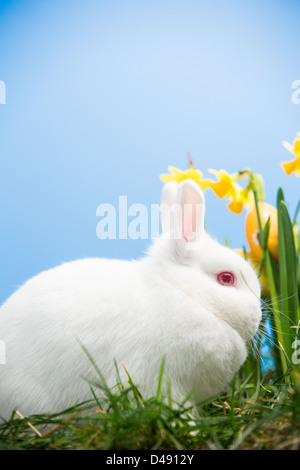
(226, 278)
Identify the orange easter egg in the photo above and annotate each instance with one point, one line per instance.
(251, 228)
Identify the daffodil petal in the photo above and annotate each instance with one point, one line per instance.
(224, 186)
(290, 167)
(214, 172)
(220, 188)
(193, 174)
(179, 175)
(288, 146)
(236, 207)
(204, 184)
(297, 148)
(167, 178)
(175, 171)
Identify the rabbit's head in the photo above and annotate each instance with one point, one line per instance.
(212, 274)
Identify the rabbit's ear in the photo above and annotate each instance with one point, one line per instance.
(189, 215)
(168, 199)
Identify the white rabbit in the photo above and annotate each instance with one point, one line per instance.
(190, 300)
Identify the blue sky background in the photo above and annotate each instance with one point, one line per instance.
(103, 95)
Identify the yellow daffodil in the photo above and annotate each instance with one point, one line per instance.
(228, 187)
(241, 198)
(179, 175)
(226, 184)
(293, 166)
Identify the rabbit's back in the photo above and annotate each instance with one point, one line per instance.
(45, 323)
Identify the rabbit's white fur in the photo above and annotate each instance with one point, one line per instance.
(167, 304)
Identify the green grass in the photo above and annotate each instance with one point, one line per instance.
(244, 417)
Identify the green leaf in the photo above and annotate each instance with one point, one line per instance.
(296, 212)
(264, 235)
(288, 290)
